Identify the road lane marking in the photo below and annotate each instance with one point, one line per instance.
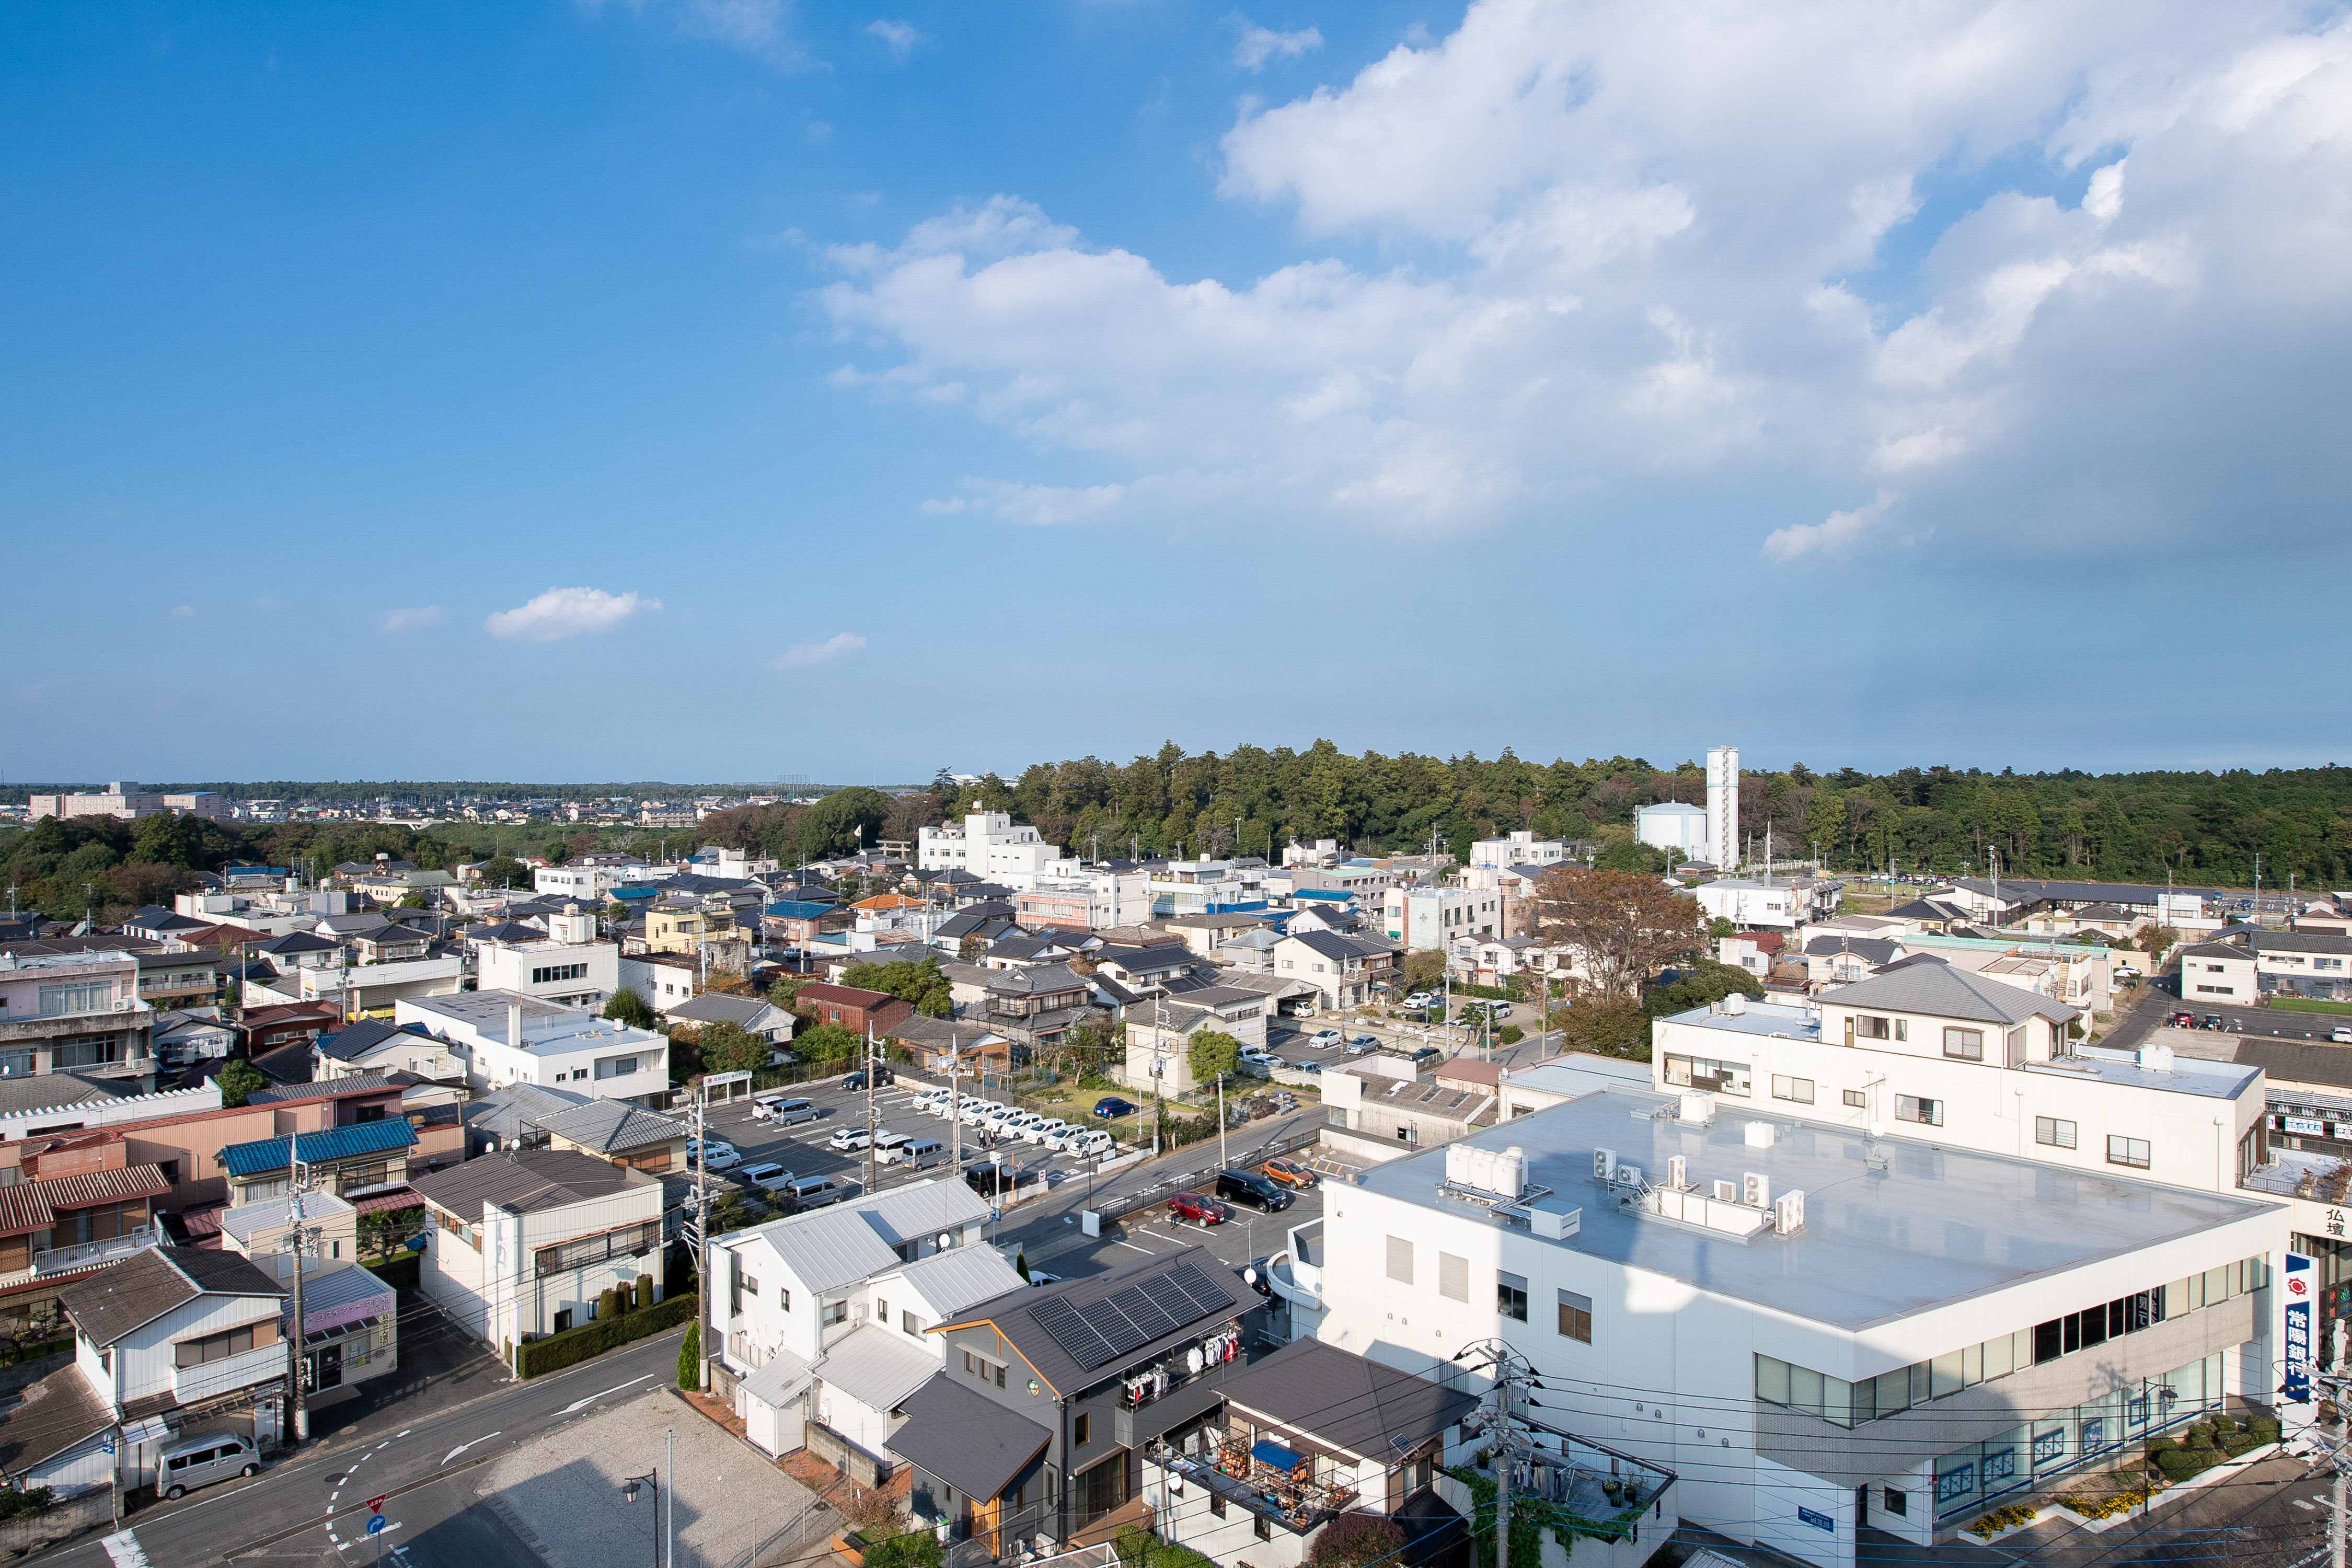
(1146, 1252)
(389, 1527)
(583, 1404)
(470, 1443)
(125, 1551)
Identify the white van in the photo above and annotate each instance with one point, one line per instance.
(919, 1153)
(767, 1176)
(784, 1110)
(1091, 1145)
(199, 1461)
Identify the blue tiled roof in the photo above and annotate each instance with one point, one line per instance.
(798, 909)
(266, 1154)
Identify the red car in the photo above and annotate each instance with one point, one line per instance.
(2183, 1020)
(1201, 1210)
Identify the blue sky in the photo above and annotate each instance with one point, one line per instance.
(712, 389)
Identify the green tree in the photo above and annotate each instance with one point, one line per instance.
(1212, 1056)
(1356, 1540)
(1700, 983)
(505, 871)
(690, 1358)
(413, 901)
(730, 1047)
(1720, 927)
(829, 1043)
(1422, 969)
(240, 1078)
(1020, 1264)
(917, 981)
(628, 1007)
(833, 826)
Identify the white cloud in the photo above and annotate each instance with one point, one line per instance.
(1652, 244)
(760, 28)
(900, 38)
(409, 620)
(567, 613)
(182, 612)
(1258, 45)
(1839, 531)
(803, 655)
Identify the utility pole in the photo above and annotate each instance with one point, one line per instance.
(298, 1180)
(955, 1106)
(870, 1075)
(702, 1242)
(1222, 1163)
(1497, 1358)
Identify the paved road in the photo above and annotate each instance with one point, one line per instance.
(311, 1508)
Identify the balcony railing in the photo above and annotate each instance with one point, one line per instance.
(60, 1260)
(1226, 1469)
(230, 1373)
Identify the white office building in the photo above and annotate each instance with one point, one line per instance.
(1521, 848)
(504, 1037)
(563, 963)
(988, 845)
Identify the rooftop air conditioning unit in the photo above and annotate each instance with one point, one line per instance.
(1628, 1175)
(1604, 1165)
(1727, 1192)
(1788, 1213)
(1677, 1171)
(1756, 1189)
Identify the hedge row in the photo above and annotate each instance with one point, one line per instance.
(573, 1346)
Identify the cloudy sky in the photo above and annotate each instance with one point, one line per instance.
(714, 389)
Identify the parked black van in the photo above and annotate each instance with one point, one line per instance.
(1248, 1188)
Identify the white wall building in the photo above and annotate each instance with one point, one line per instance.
(1520, 848)
(822, 1315)
(1427, 916)
(589, 881)
(1813, 1331)
(565, 964)
(990, 846)
(1671, 825)
(503, 1037)
(528, 1244)
(1779, 904)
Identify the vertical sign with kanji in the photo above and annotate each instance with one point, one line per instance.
(2294, 1295)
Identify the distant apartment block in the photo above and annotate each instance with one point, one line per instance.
(124, 798)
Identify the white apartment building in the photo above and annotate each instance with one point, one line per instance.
(822, 1316)
(1777, 905)
(990, 846)
(1203, 886)
(124, 798)
(1520, 848)
(1426, 916)
(564, 964)
(1818, 1333)
(589, 881)
(1671, 825)
(503, 1037)
(1930, 1052)
(528, 1243)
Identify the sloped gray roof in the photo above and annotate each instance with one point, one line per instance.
(876, 1365)
(608, 1126)
(54, 1414)
(124, 1298)
(965, 1438)
(1346, 1401)
(47, 1091)
(830, 1247)
(512, 1111)
(532, 1180)
(1945, 992)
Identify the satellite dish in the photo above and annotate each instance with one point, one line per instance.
(946, 1241)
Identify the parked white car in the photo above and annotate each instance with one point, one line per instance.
(1265, 1061)
(717, 1154)
(1041, 1130)
(845, 1139)
(1324, 1039)
(1091, 1143)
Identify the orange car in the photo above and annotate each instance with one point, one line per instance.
(1289, 1173)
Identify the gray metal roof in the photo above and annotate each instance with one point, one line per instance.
(1940, 1225)
(2299, 941)
(965, 1438)
(53, 1415)
(961, 1277)
(830, 1247)
(1013, 1315)
(529, 1181)
(876, 1365)
(610, 1125)
(1345, 1401)
(1943, 991)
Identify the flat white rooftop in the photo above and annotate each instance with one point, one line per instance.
(1932, 1225)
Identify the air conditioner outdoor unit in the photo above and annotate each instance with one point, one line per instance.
(1755, 1190)
(1727, 1192)
(1628, 1175)
(1604, 1165)
(1677, 1171)
(1788, 1213)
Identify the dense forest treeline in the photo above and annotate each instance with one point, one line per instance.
(2116, 826)
(2201, 827)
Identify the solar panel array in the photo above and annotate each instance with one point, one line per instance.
(1101, 1331)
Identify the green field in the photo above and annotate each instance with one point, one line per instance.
(2308, 1004)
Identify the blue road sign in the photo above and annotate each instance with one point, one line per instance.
(375, 1524)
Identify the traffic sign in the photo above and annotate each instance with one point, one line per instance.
(375, 1503)
(375, 1524)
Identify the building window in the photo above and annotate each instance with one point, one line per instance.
(1964, 1044)
(1078, 1431)
(1511, 1296)
(1265, 1529)
(834, 1312)
(1699, 1072)
(2132, 1152)
(1400, 1260)
(2056, 1133)
(999, 1374)
(1857, 1098)
(910, 1325)
(1895, 1503)
(1576, 1317)
(1912, 1108)
(1800, 1089)
(1869, 1027)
